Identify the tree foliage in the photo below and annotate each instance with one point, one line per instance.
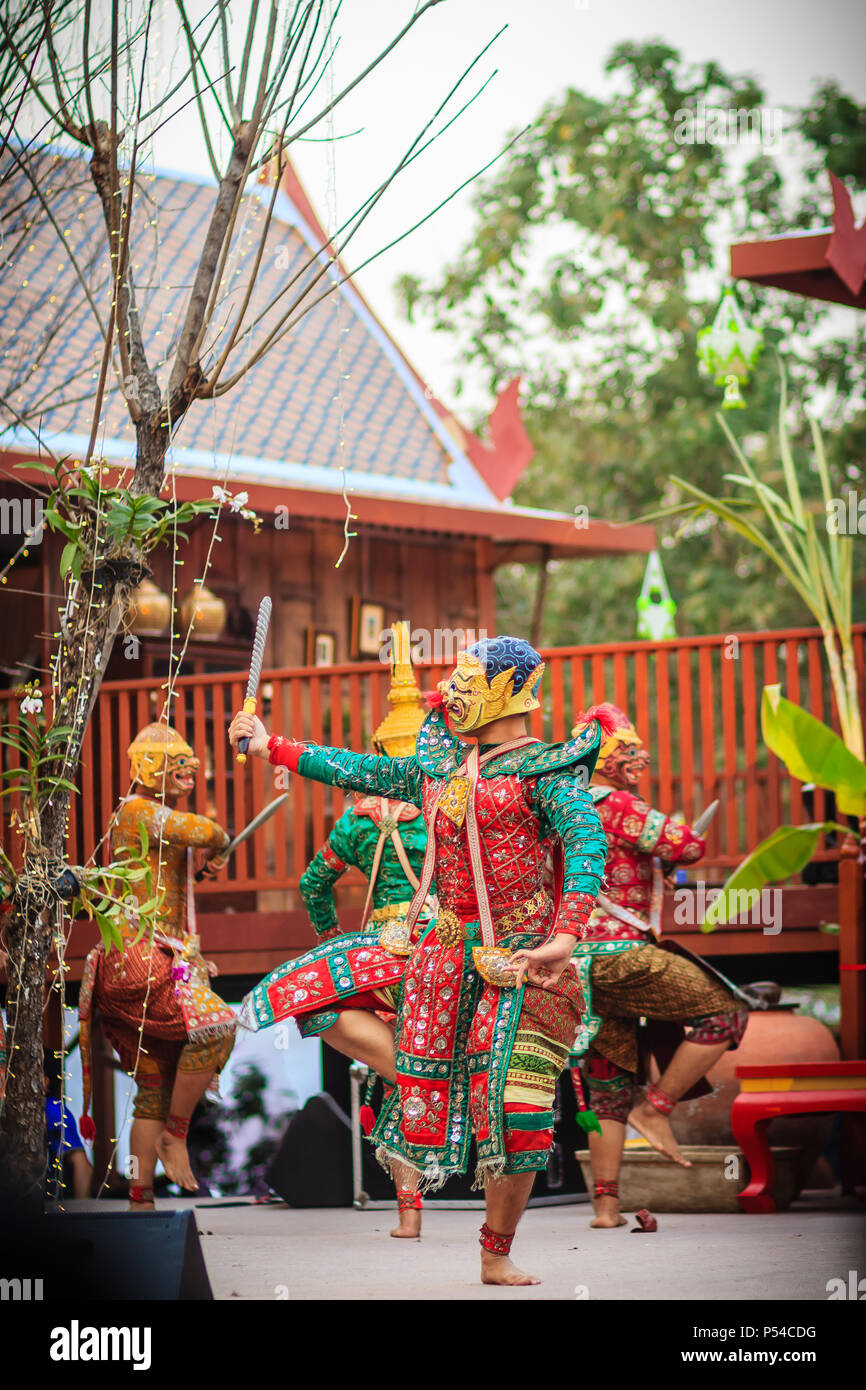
(598, 253)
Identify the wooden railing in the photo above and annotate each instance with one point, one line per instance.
(695, 701)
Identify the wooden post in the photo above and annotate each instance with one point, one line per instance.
(852, 954)
(540, 596)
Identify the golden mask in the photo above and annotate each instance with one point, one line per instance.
(470, 700)
(159, 759)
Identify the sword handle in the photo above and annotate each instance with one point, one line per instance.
(250, 704)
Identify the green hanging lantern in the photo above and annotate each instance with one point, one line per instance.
(730, 349)
(655, 607)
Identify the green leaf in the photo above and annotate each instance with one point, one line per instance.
(37, 468)
(812, 751)
(67, 555)
(780, 856)
(109, 932)
(59, 523)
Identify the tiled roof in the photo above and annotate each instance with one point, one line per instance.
(286, 412)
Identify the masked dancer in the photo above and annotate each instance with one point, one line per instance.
(626, 975)
(489, 1001)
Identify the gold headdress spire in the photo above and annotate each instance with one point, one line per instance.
(398, 731)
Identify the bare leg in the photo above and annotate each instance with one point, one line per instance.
(365, 1038)
(406, 1180)
(506, 1200)
(689, 1063)
(605, 1151)
(188, 1089)
(142, 1148)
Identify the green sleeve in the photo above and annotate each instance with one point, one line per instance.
(566, 810)
(316, 884)
(401, 779)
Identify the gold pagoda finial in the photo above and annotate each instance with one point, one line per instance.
(398, 731)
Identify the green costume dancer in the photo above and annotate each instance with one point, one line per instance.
(387, 841)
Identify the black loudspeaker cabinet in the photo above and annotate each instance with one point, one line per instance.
(109, 1256)
(313, 1166)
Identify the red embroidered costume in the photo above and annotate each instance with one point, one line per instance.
(626, 975)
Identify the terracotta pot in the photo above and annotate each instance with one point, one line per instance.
(149, 610)
(774, 1035)
(718, 1173)
(206, 610)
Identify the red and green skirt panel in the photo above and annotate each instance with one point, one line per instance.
(348, 972)
(474, 1061)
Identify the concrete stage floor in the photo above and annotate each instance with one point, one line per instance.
(273, 1252)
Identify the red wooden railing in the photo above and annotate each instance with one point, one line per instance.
(695, 700)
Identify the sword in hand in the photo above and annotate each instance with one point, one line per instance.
(256, 662)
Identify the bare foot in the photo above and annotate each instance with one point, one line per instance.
(175, 1160)
(607, 1214)
(142, 1206)
(499, 1269)
(410, 1225)
(656, 1129)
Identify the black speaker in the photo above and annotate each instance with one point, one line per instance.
(108, 1256)
(313, 1165)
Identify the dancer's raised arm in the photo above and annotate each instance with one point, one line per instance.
(401, 779)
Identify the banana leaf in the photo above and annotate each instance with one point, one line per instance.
(812, 751)
(782, 854)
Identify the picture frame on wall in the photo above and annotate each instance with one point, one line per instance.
(321, 647)
(368, 624)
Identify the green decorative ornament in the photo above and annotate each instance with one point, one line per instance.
(730, 349)
(655, 607)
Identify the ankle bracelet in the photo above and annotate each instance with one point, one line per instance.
(140, 1195)
(495, 1243)
(409, 1200)
(177, 1125)
(659, 1100)
(607, 1189)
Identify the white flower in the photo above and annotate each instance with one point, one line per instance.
(240, 500)
(220, 495)
(31, 704)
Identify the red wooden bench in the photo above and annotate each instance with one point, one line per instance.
(796, 1089)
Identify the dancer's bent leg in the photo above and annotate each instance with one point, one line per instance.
(365, 1038)
(198, 1064)
(610, 1090)
(709, 1039)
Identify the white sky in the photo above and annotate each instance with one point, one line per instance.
(548, 44)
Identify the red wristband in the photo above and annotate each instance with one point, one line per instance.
(285, 752)
(574, 913)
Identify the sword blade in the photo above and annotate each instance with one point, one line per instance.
(250, 829)
(705, 818)
(256, 821)
(263, 622)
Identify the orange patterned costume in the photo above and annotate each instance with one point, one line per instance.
(154, 997)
